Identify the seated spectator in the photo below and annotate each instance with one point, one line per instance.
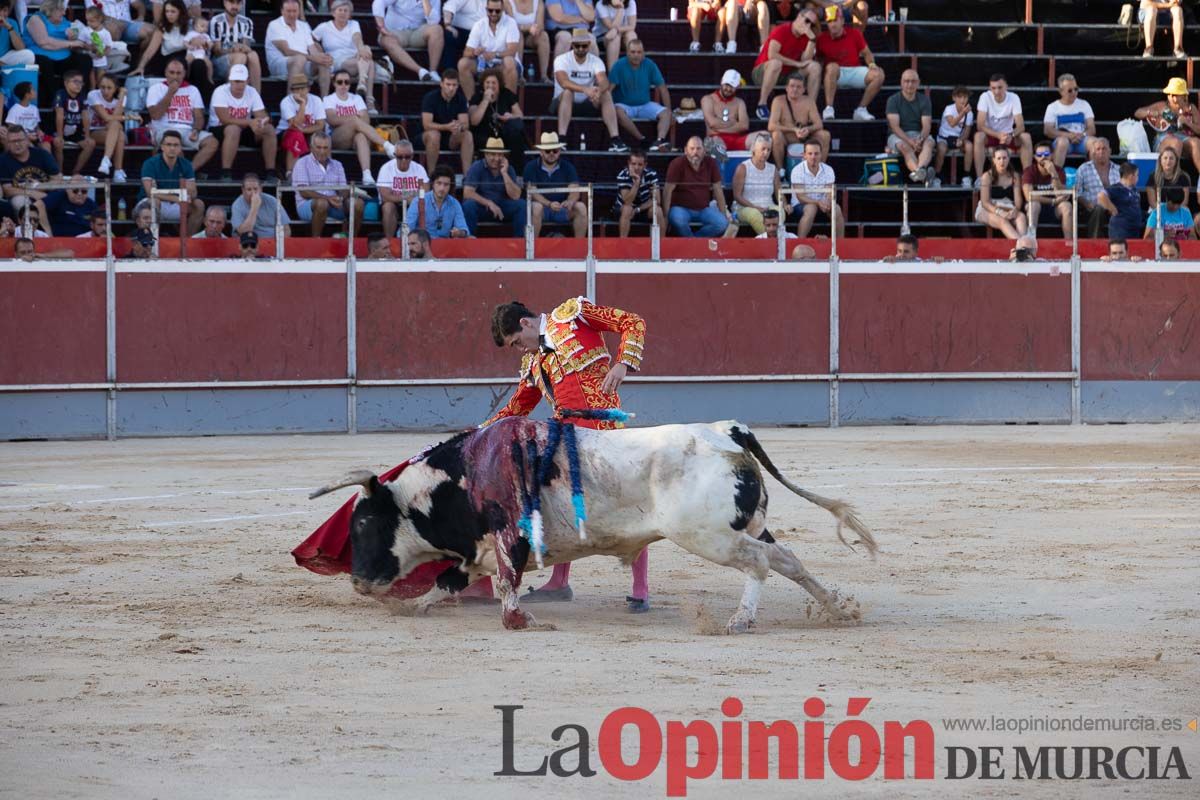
(1123, 205)
(418, 245)
(811, 181)
(302, 115)
(233, 44)
(445, 122)
(170, 171)
(1168, 173)
(240, 111)
(439, 212)
(13, 51)
(107, 126)
(143, 218)
(248, 246)
(1094, 176)
(97, 226)
(70, 211)
(581, 87)
(954, 132)
(199, 46)
(104, 51)
(350, 125)
(910, 125)
(494, 113)
(794, 120)
(530, 16)
(1001, 197)
(1152, 13)
(24, 250)
(1045, 176)
(725, 114)
(21, 166)
(771, 226)
(292, 49)
(54, 51)
(1176, 120)
(849, 64)
(1168, 250)
(616, 24)
(756, 13)
(492, 188)
(379, 247)
(1001, 123)
(341, 38)
(695, 193)
(458, 18)
(214, 224)
(1118, 250)
(550, 171)
(142, 245)
(400, 180)
(25, 113)
(756, 184)
(175, 105)
(118, 18)
(635, 194)
(563, 18)
(493, 44)
(317, 205)
(791, 48)
(633, 78)
(700, 10)
(32, 224)
(1177, 222)
(1069, 121)
(410, 24)
(255, 212)
(168, 40)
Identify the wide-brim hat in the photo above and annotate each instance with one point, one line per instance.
(495, 145)
(1176, 86)
(581, 36)
(549, 141)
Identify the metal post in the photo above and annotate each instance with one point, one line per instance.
(1076, 339)
(110, 320)
(278, 221)
(834, 339)
(1075, 223)
(591, 258)
(352, 331)
(350, 198)
(153, 215)
(781, 231)
(529, 222)
(833, 213)
(655, 232)
(904, 229)
(404, 231)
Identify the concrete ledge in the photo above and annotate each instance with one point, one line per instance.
(206, 412)
(1140, 401)
(53, 415)
(948, 402)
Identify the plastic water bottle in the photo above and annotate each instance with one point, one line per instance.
(529, 73)
(122, 209)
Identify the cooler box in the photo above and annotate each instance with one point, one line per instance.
(1146, 164)
(734, 158)
(11, 76)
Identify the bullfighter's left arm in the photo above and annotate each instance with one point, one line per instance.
(631, 327)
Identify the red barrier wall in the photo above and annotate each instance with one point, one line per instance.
(955, 323)
(52, 327)
(234, 327)
(1140, 326)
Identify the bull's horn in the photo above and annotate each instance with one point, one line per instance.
(359, 477)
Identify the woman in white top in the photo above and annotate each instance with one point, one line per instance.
(616, 23)
(346, 115)
(341, 38)
(299, 111)
(170, 37)
(756, 184)
(108, 125)
(530, 16)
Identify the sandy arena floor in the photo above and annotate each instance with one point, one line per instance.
(158, 640)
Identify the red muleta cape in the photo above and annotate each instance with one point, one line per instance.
(327, 550)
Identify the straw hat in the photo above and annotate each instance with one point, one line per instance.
(549, 141)
(495, 145)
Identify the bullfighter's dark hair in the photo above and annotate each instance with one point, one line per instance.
(506, 320)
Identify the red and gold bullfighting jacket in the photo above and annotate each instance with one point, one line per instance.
(572, 362)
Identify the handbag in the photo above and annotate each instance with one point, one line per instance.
(881, 171)
(390, 133)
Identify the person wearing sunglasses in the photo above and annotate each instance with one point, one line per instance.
(1069, 121)
(494, 43)
(1046, 176)
(70, 210)
(399, 182)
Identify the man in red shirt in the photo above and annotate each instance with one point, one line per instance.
(791, 45)
(725, 114)
(694, 194)
(844, 51)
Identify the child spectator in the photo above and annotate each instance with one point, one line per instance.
(1124, 204)
(1176, 220)
(72, 120)
(25, 113)
(102, 43)
(199, 45)
(955, 132)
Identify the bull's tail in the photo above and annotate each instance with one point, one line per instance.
(359, 477)
(844, 512)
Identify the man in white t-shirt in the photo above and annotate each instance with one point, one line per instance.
(1001, 123)
(494, 41)
(176, 105)
(813, 174)
(291, 47)
(239, 109)
(399, 181)
(1069, 121)
(581, 86)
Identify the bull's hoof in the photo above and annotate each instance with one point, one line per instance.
(518, 620)
(739, 623)
(563, 595)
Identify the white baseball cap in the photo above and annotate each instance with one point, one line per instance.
(238, 72)
(731, 78)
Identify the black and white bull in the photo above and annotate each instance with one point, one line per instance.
(697, 485)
